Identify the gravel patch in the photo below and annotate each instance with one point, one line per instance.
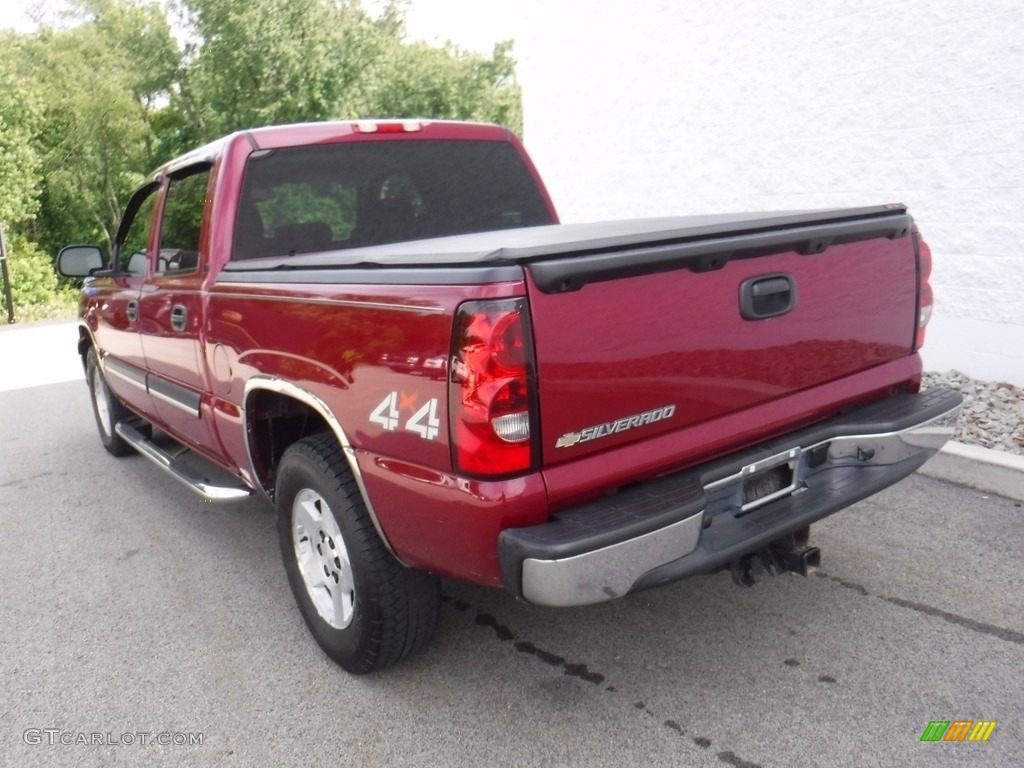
(993, 412)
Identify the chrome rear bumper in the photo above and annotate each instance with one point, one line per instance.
(699, 520)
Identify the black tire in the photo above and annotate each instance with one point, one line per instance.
(372, 614)
(106, 407)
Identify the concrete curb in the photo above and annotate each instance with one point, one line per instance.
(984, 469)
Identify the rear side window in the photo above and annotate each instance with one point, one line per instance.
(309, 199)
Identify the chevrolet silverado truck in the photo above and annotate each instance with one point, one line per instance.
(381, 327)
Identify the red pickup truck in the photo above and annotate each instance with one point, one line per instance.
(381, 327)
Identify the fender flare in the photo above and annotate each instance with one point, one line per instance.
(304, 396)
(86, 339)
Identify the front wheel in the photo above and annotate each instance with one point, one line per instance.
(364, 608)
(107, 409)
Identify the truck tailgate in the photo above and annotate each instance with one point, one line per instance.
(634, 343)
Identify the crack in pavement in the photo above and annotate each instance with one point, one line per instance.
(980, 627)
(584, 673)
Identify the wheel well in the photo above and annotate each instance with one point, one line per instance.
(84, 344)
(275, 421)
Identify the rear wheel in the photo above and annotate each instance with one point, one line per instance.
(107, 409)
(364, 608)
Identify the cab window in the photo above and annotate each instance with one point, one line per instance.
(184, 203)
(134, 250)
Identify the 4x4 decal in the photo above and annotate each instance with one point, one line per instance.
(423, 421)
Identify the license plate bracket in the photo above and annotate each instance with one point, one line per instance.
(768, 480)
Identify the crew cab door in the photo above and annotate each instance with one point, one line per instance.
(171, 309)
(117, 314)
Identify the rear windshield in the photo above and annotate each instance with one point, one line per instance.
(309, 199)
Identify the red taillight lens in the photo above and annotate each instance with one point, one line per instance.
(925, 298)
(491, 389)
(507, 343)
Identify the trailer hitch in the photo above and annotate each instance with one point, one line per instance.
(789, 554)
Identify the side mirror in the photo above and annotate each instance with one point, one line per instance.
(79, 260)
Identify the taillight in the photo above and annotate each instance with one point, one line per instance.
(925, 298)
(492, 393)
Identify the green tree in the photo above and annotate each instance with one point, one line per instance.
(420, 80)
(21, 120)
(280, 61)
(102, 82)
(33, 281)
(89, 108)
(36, 291)
(274, 61)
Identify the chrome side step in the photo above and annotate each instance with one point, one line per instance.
(179, 470)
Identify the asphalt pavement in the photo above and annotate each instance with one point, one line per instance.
(133, 611)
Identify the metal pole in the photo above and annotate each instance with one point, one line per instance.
(6, 278)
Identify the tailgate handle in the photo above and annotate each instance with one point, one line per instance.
(767, 296)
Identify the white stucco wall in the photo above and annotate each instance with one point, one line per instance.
(663, 108)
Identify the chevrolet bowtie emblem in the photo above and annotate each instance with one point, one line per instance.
(567, 440)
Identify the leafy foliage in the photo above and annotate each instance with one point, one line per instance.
(88, 109)
(20, 122)
(36, 291)
(422, 80)
(100, 82)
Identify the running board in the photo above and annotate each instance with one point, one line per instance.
(179, 470)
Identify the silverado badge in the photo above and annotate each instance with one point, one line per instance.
(570, 439)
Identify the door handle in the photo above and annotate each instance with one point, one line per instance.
(767, 296)
(132, 310)
(179, 317)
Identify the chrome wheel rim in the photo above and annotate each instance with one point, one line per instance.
(322, 558)
(102, 401)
